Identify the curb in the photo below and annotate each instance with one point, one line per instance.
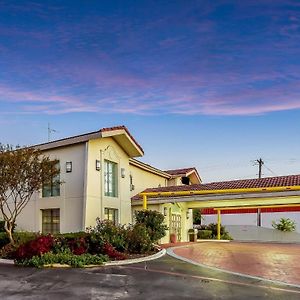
(6, 261)
(107, 264)
(171, 253)
(214, 241)
(136, 260)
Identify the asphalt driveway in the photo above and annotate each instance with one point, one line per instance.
(165, 278)
(273, 261)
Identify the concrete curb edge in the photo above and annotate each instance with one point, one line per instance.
(136, 260)
(108, 264)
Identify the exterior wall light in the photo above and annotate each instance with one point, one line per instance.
(187, 214)
(122, 172)
(68, 167)
(98, 165)
(165, 211)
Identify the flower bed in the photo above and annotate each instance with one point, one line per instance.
(106, 241)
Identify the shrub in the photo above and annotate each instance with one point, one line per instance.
(6, 251)
(139, 240)
(42, 244)
(204, 234)
(2, 226)
(110, 233)
(4, 240)
(110, 251)
(213, 228)
(95, 243)
(22, 237)
(75, 242)
(153, 221)
(66, 257)
(285, 224)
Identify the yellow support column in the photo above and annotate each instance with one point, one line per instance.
(219, 224)
(144, 201)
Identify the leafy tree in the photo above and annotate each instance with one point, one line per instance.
(285, 224)
(23, 171)
(197, 218)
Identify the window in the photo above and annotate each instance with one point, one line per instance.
(51, 220)
(131, 183)
(110, 179)
(53, 188)
(111, 214)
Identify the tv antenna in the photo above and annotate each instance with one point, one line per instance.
(50, 131)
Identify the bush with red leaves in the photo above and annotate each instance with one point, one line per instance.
(42, 244)
(78, 246)
(109, 250)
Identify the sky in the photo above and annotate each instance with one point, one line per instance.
(210, 84)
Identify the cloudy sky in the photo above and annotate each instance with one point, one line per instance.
(211, 84)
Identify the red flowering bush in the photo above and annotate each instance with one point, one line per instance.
(78, 246)
(109, 250)
(42, 244)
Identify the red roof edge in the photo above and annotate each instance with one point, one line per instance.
(122, 127)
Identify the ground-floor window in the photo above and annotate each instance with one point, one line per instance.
(111, 214)
(51, 220)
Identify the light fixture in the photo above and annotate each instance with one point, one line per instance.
(165, 211)
(68, 166)
(98, 165)
(122, 172)
(188, 214)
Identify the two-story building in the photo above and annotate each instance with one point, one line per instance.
(99, 174)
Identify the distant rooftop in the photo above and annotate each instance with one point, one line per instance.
(279, 181)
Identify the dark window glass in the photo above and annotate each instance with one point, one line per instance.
(51, 220)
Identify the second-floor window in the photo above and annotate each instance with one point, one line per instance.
(52, 189)
(110, 179)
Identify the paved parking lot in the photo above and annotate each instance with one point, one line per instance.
(164, 278)
(272, 261)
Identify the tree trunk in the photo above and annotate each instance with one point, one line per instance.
(9, 228)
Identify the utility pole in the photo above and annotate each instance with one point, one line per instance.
(260, 163)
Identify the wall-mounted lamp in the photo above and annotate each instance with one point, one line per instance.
(68, 167)
(122, 172)
(98, 165)
(165, 211)
(187, 214)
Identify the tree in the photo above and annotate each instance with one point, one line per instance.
(197, 218)
(23, 171)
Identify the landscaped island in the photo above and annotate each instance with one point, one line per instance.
(106, 241)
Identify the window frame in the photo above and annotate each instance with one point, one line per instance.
(110, 179)
(114, 212)
(52, 226)
(52, 189)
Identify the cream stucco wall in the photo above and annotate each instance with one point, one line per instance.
(70, 201)
(95, 200)
(143, 179)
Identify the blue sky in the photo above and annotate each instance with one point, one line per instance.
(211, 84)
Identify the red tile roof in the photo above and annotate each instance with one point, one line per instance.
(127, 131)
(179, 172)
(83, 137)
(280, 181)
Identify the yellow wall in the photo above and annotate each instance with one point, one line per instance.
(143, 179)
(96, 201)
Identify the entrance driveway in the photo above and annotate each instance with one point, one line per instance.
(278, 262)
(164, 278)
